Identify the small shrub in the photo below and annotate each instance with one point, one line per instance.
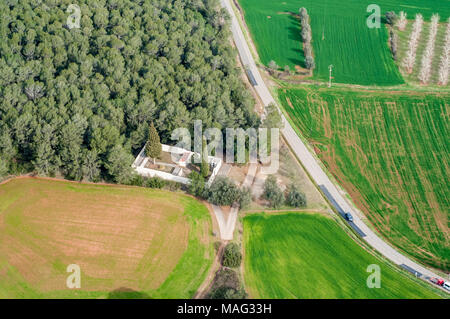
(172, 186)
(228, 293)
(245, 198)
(137, 180)
(3, 168)
(155, 182)
(232, 256)
(295, 198)
(272, 192)
(287, 69)
(217, 245)
(273, 65)
(227, 285)
(273, 120)
(197, 186)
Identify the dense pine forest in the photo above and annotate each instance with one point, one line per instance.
(79, 101)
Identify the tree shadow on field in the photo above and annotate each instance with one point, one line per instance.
(382, 18)
(127, 293)
(295, 34)
(295, 28)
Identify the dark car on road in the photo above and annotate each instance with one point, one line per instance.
(349, 217)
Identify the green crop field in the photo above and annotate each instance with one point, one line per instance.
(128, 242)
(299, 255)
(340, 36)
(390, 151)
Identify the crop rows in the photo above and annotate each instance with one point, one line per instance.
(392, 154)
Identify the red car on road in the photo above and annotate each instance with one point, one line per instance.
(437, 281)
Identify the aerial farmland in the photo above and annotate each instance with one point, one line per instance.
(340, 36)
(381, 130)
(225, 150)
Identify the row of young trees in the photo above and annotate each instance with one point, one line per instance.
(393, 43)
(402, 21)
(392, 20)
(307, 38)
(79, 102)
(427, 57)
(444, 65)
(410, 58)
(226, 283)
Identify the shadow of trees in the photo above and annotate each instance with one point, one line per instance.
(127, 293)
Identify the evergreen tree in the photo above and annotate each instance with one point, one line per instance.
(153, 148)
(119, 165)
(204, 166)
(91, 166)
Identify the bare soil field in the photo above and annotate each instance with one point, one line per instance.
(121, 237)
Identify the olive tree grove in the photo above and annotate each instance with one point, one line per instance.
(445, 58)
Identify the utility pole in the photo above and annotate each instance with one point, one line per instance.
(330, 67)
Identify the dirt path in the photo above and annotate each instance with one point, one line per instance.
(206, 285)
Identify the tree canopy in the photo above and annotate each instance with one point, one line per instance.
(272, 192)
(232, 256)
(70, 98)
(223, 192)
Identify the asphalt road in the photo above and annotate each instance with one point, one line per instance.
(312, 165)
(227, 225)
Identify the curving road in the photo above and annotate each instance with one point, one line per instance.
(311, 164)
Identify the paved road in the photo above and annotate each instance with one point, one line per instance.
(227, 226)
(311, 164)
